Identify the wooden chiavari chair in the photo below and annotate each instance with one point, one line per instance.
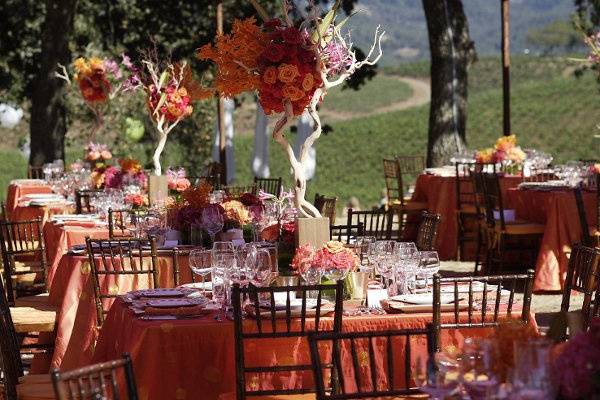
(466, 209)
(377, 223)
(428, 230)
(587, 239)
(35, 172)
(326, 206)
(272, 186)
(582, 277)
(19, 241)
(99, 381)
(358, 350)
(83, 200)
(477, 309)
(539, 175)
(4, 216)
(271, 323)
(503, 235)
(121, 223)
(16, 384)
(345, 233)
(134, 258)
(237, 191)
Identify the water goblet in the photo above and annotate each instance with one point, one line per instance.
(201, 265)
(429, 264)
(261, 268)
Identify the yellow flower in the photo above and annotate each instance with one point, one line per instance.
(236, 211)
(334, 246)
(270, 75)
(484, 156)
(96, 63)
(505, 143)
(130, 165)
(287, 73)
(82, 67)
(292, 92)
(308, 82)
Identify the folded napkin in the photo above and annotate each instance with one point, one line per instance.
(176, 311)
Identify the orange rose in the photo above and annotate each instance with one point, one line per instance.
(287, 73)
(292, 92)
(308, 82)
(270, 75)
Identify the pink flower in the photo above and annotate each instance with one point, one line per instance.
(106, 155)
(303, 258)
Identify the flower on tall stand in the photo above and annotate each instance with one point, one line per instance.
(99, 81)
(291, 66)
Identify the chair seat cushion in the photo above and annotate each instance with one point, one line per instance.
(29, 319)
(38, 301)
(520, 227)
(35, 391)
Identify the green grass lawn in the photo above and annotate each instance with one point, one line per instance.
(12, 166)
(379, 92)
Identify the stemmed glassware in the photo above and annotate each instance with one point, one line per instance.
(201, 264)
(261, 268)
(478, 360)
(364, 244)
(532, 376)
(212, 221)
(441, 378)
(429, 265)
(408, 258)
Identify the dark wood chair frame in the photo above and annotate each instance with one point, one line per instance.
(352, 339)
(582, 277)
(345, 233)
(496, 313)
(23, 238)
(237, 191)
(376, 223)
(466, 209)
(35, 172)
(326, 206)
(273, 186)
(92, 382)
(428, 231)
(82, 200)
(131, 256)
(265, 327)
(586, 238)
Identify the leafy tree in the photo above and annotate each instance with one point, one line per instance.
(557, 35)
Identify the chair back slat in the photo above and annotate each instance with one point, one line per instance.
(115, 258)
(376, 223)
(393, 181)
(428, 231)
(18, 239)
(121, 222)
(493, 200)
(11, 366)
(237, 191)
(34, 172)
(465, 192)
(106, 381)
(477, 314)
(375, 360)
(272, 186)
(281, 325)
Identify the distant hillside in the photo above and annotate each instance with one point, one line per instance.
(404, 22)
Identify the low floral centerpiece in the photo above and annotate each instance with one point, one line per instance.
(291, 65)
(177, 181)
(333, 260)
(505, 152)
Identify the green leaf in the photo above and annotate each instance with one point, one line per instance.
(162, 79)
(327, 20)
(162, 100)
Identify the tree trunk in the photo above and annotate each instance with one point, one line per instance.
(452, 52)
(48, 113)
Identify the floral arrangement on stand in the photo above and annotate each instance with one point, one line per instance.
(99, 81)
(577, 364)
(97, 155)
(333, 260)
(505, 152)
(291, 66)
(170, 91)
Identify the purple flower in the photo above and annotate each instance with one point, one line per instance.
(113, 178)
(338, 58)
(112, 67)
(188, 216)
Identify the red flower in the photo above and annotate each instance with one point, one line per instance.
(291, 35)
(272, 24)
(274, 52)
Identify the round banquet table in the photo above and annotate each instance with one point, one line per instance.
(439, 192)
(72, 292)
(16, 191)
(25, 212)
(558, 211)
(194, 358)
(60, 237)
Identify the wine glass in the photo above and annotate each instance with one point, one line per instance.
(363, 243)
(212, 221)
(479, 356)
(201, 264)
(384, 261)
(408, 258)
(219, 289)
(220, 248)
(532, 376)
(261, 268)
(441, 378)
(429, 264)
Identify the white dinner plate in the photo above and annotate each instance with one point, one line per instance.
(422, 298)
(175, 303)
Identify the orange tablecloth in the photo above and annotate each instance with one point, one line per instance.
(194, 359)
(72, 292)
(558, 211)
(59, 238)
(24, 212)
(440, 194)
(16, 191)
